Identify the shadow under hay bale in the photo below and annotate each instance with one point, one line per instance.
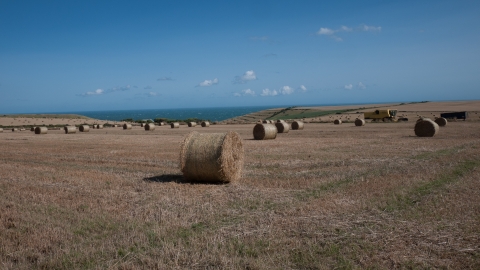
(264, 132)
(127, 126)
(70, 129)
(212, 157)
(282, 127)
(337, 122)
(175, 125)
(441, 121)
(191, 124)
(205, 124)
(84, 128)
(426, 128)
(149, 127)
(297, 125)
(41, 130)
(359, 122)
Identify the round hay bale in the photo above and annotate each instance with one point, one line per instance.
(337, 122)
(426, 128)
(14, 129)
(175, 125)
(441, 121)
(22, 129)
(141, 125)
(280, 121)
(205, 124)
(70, 129)
(191, 124)
(161, 124)
(423, 118)
(297, 125)
(150, 126)
(127, 126)
(359, 122)
(84, 128)
(41, 130)
(282, 127)
(212, 157)
(1, 130)
(32, 129)
(266, 121)
(264, 132)
(99, 126)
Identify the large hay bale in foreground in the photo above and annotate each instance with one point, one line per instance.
(282, 127)
(426, 128)
(441, 121)
(175, 125)
(337, 122)
(41, 130)
(212, 157)
(264, 132)
(191, 124)
(297, 125)
(205, 124)
(359, 122)
(70, 129)
(84, 128)
(149, 126)
(127, 126)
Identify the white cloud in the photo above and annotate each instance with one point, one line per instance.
(245, 92)
(237, 94)
(93, 93)
(152, 94)
(349, 86)
(345, 29)
(325, 31)
(287, 90)
(302, 88)
(208, 82)
(367, 28)
(247, 76)
(268, 92)
(361, 85)
(332, 32)
(110, 90)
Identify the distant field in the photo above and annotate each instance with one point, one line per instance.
(329, 196)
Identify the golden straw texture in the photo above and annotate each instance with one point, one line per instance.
(264, 132)
(426, 128)
(359, 122)
(337, 122)
(175, 125)
(297, 125)
(205, 124)
(441, 121)
(282, 127)
(70, 129)
(127, 126)
(41, 130)
(149, 126)
(84, 128)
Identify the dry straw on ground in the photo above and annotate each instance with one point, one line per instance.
(191, 124)
(441, 121)
(41, 130)
(205, 124)
(70, 129)
(149, 126)
(282, 127)
(426, 128)
(264, 132)
(337, 122)
(297, 125)
(127, 126)
(212, 157)
(175, 125)
(359, 122)
(84, 128)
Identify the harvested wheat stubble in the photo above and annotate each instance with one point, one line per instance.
(127, 126)
(264, 132)
(149, 126)
(297, 125)
(441, 121)
(426, 128)
(175, 125)
(191, 124)
(359, 122)
(282, 127)
(205, 124)
(70, 129)
(337, 122)
(41, 130)
(212, 157)
(84, 128)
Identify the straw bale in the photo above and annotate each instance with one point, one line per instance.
(441, 121)
(141, 125)
(41, 130)
(14, 129)
(22, 129)
(359, 122)
(84, 128)
(264, 132)
(32, 129)
(191, 124)
(149, 126)
(297, 125)
(212, 157)
(337, 122)
(161, 124)
(70, 129)
(205, 124)
(280, 121)
(266, 121)
(282, 127)
(175, 125)
(1, 130)
(99, 126)
(426, 128)
(127, 126)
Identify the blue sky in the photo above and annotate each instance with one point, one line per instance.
(108, 55)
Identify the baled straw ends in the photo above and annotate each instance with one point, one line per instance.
(426, 128)
(264, 132)
(441, 121)
(175, 125)
(337, 122)
(359, 122)
(70, 129)
(282, 127)
(1, 130)
(84, 128)
(205, 124)
(191, 124)
(14, 129)
(149, 126)
(41, 130)
(297, 125)
(212, 157)
(127, 126)
(99, 126)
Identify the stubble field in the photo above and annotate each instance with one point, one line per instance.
(325, 197)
